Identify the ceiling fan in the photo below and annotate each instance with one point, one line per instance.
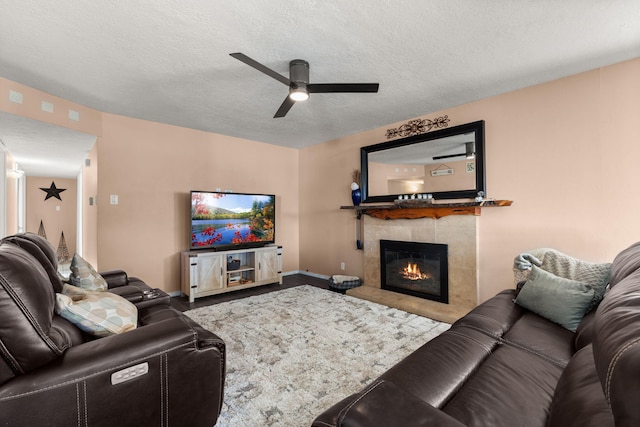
(298, 82)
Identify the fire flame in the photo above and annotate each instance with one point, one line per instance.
(412, 272)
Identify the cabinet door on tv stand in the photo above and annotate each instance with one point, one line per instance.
(268, 266)
(210, 272)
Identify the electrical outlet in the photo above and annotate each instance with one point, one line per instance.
(342, 266)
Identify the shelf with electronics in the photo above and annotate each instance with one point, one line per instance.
(206, 273)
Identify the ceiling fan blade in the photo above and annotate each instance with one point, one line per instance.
(342, 87)
(258, 66)
(284, 107)
(448, 156)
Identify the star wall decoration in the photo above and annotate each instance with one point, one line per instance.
(52, 191)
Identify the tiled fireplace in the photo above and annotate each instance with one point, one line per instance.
(415, 268)
(457, 232)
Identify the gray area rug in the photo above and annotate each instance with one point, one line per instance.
(291, 354)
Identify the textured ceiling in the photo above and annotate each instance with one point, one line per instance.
(168, 61)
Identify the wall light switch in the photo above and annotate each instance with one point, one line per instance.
(113, 199)
(74, 115)
(58, 208)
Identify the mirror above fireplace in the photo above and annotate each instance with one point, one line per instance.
(446, 163)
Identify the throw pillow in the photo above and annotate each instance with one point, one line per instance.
(563, 301)
(595, 275)
(84, 276)
(97, 313)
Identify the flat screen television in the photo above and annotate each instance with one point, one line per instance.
(226, 221)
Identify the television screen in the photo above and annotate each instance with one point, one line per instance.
(232, 219)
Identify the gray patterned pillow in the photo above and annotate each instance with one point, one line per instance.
(97, 313)
(84, 276)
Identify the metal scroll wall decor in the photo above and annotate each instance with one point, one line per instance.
(418, 126)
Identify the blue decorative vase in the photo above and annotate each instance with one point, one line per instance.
(356, 196)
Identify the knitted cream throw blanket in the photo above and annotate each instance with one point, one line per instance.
(561, 265)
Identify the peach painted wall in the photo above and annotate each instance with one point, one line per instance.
(57, 216)
(152, 167)
(565, 152)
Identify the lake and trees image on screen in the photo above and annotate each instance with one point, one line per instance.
(228, 218)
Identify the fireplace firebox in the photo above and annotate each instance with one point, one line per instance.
(414, 268)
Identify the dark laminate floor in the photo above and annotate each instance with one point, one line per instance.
(182, 303)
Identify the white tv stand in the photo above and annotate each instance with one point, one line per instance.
(207, 273)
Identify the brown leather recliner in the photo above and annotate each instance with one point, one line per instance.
(168, 371)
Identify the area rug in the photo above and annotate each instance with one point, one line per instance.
(291, 354)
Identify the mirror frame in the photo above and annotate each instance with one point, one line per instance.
(477, 127)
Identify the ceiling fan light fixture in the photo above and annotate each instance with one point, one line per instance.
(299, 94)
(298, 82)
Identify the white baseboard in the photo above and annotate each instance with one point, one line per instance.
(308, 273)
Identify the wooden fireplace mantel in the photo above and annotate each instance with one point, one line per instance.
(414, 209)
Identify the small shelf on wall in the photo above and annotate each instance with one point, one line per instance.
(417, 208)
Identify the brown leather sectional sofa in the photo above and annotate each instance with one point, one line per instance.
(502, 365)
(168, 371)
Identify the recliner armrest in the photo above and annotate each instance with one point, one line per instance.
(104, 355)
(384, 404)
(115, 278)
(160, 374)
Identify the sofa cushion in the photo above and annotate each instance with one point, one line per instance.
(625, 263)
(616, 348)
(70, 332)
(543, 337)
(84, 276)
(584, 333)
(511, 387)
(578, 400)
(494, 316)
(96, 313)
(436, 371)
(27, 335)
(560, 300)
